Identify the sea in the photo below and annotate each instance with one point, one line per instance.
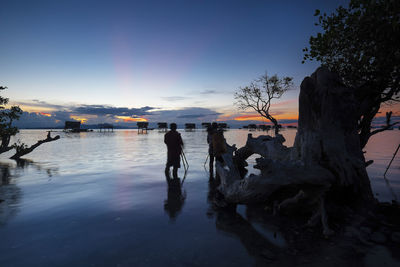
(102, 199)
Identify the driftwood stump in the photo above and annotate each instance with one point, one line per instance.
(324, 167)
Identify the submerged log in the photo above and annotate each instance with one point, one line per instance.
(325, 164)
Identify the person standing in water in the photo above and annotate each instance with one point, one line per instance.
(216, 145)
(174, 143)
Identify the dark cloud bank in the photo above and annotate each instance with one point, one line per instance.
(97, 114)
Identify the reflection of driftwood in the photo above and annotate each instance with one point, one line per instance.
(25, 163)
(326, 162)
(256, 245)
(22, 150)
(284, 183)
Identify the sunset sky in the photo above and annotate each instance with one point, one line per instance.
(123, 61)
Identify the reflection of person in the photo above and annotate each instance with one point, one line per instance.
(210, 131)
(216, 144)
(176, 198)
(174, 143)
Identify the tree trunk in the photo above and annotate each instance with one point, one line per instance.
(5, 141)
(327, 135)
(23, 151)
(325, 166)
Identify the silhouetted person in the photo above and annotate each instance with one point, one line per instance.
(216, 145)
(174, 143)
(175, 198)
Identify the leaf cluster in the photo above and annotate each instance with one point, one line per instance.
(361, 44)
(19, 146)
(7, 116)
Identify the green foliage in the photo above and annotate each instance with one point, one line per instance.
(7, 116)
(19, 146)
(361, 44)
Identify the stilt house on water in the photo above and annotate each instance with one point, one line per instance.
(162, 126)
(73, 127)
(106, 127)
(190, 126)
(206, 125)
(252, 127)
(142, 127)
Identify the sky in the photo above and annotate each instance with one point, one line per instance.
(173, 61)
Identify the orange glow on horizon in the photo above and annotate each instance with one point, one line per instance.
(45, 114)
(78, 118)
(259, 118)
(35, 109)
(130, 119)
(395, 108)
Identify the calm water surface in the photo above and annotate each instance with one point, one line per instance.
(101, 199)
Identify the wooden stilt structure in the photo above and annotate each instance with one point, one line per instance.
(142, 127)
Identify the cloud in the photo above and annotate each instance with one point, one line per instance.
(191, 116)
(130, 119)
(43, 103)
(42, 114)
(50, 115)
(188, 114)
(208, 92)
(102, 110)
(37, 120)
(37, 104)
(174, 98)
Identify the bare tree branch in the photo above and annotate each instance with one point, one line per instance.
(383, 129)
(23, 150)
(259, 94)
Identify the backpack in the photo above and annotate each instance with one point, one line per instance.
(219, 144)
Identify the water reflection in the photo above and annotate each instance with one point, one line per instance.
(229, 221)
(10, 194)
(25, 163)
(5, 174)
(175, 197)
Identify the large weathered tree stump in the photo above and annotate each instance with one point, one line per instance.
(325, 165)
